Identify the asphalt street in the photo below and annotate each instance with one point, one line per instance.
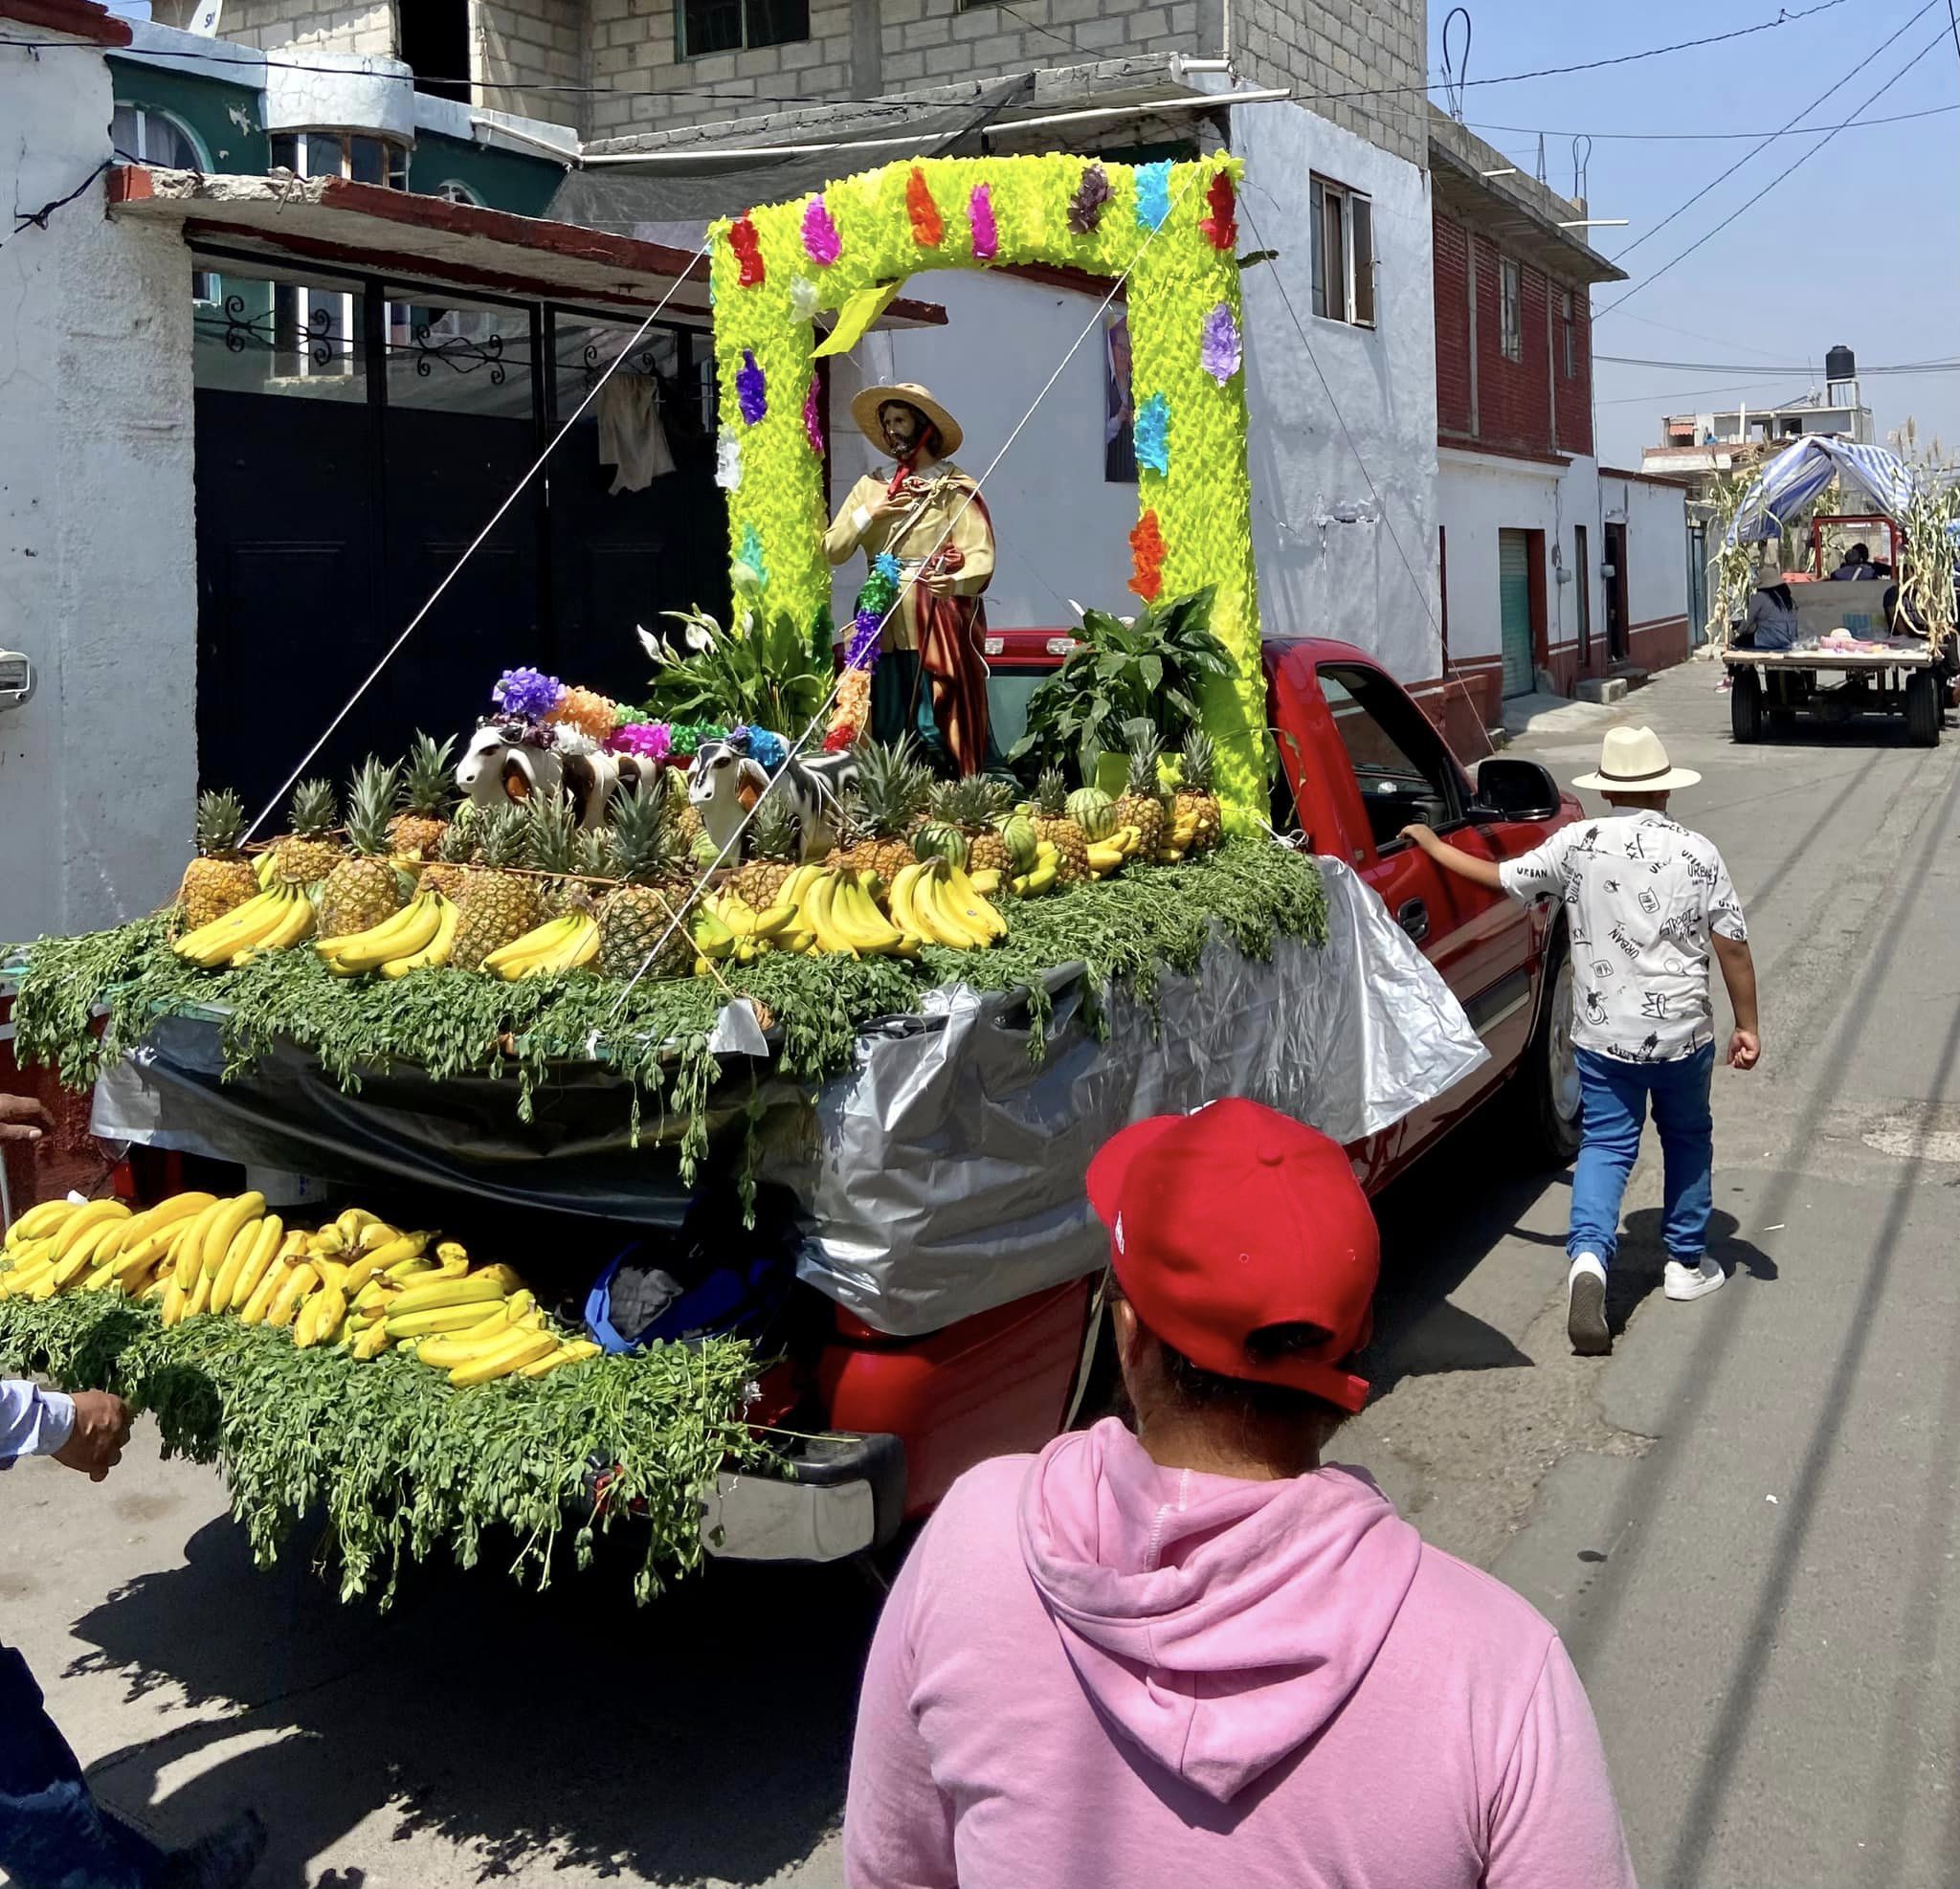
(1745, 1521)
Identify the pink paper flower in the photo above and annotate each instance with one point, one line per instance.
(986, 232)
(821, 242)
(813, 419)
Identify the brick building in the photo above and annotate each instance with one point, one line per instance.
(1555, 570)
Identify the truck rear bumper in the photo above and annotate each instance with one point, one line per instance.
(844, 1495)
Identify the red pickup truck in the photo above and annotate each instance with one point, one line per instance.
(1360, 761)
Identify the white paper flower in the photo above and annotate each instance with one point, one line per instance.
(803, 298)
(729, 463)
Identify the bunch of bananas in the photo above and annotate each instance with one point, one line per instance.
(421, 934)
(1178, 838)
(840, 908)
(356, 1283)
(271, 921)
(1042, 876)
(935, 903)
(561, 944)
(1112, 855)
(726, 926)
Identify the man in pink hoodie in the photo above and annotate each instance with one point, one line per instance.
(1193, 1656)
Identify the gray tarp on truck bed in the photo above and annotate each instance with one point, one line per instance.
(942, 1175)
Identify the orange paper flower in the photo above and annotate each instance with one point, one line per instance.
(588, 711)
(928, 227)
(1146, 543)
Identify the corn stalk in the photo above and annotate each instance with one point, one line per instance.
(1731, 567)
(1926, 575)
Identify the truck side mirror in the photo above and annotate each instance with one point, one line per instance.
(1514, 789)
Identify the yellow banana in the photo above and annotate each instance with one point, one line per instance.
(351, 1222)
(96, 1214)
(371, 1343)
(1104, 858)
(448, 1349)
(710, 937)
(294, 927)
(985, 882)
(238, 1278)
(819, 911)
(539, 940)
(38, 1222)
(452, 1249)
(21, 1282)
(331, 1272)
(200, 1296)
(949, 925)
(175, 1298)
(265, 866)
(472, 1289)
(580, 946)
(223, 1227)
(867, 930)
(901, 900)
(327, 1242)
(396, 925)
(210, 944)
(971, 906)
(319, 1319)
(82, 1259)
(259, 1303)
(293, 1288)
(187, 1247)
(436, 1319)
(524, 1348)
(377, 1233)
(411, 931)
(577, 1352)
(437, 952)
(100, 1278)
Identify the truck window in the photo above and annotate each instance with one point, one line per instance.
(1403, 769)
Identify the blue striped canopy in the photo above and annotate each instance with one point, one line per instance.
(1796, 474)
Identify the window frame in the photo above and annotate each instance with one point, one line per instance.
(1510, 307)
(394, 155)
(144, 116)
(1406, 729)
(749, 42)
(1568, 323)
(1340, 214)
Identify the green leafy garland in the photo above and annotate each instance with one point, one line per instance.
(398, 1462)
(449, 1024)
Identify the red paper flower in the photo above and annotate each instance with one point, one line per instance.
(747, 248)
(1146, 543)
(928, 227)
(1220, 228)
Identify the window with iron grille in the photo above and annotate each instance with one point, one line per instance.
(733, 26)
(1511, 309)
(1343, 253)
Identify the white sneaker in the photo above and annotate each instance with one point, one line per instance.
(1586, 1306)
(1696, 1282)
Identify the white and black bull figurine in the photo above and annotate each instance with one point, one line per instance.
(724, 783)
(503, 762)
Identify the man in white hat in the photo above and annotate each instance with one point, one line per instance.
(930, 516)
(1647, 903)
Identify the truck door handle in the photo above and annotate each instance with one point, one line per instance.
(1413, 919)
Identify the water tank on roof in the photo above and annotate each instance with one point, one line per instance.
(1841, 364)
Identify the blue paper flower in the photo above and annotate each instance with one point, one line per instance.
(885, 566)
(1153, 433)
(1153, 195)
(752, 554)
(771, 749)
(528, 693)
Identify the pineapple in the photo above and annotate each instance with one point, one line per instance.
(1053, 824)
(775, 834)
(551, 845)
(974, 804)
(1197, 797)
(1142, 805)
(308, 853)
(596, 852)
(893, 788)
(646, 856)
(682, 815)
(220, 877)
(499, 906)
(365, 888)
(417, 831)
(450, 871)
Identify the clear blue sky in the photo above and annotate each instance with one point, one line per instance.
(1859, 245)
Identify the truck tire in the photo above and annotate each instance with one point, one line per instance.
(1745, 705)
(1923, 708)
(1544, 1090)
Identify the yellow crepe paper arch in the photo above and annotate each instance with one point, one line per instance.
(1160, 223)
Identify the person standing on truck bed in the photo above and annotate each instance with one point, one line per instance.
(1772, 623)
(1192, 1655)
(1646, 903)
(53, 1832)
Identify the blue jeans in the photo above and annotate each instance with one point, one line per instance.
(53, 1832)
(1614, 1095)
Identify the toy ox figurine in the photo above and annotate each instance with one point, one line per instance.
(724, 783)
(504, 762)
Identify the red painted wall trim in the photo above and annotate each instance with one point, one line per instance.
(79, 19)
(1060, 275)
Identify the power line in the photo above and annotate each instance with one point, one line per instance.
(1781, 177)
(1647, 322)
(1944, 367)
(1837, 86)
(1712, 136)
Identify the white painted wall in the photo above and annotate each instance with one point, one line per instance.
(1060, 530)
(98, 561)
(1331, 503)
(1657, 525)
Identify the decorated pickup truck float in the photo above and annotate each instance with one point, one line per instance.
(676, 1112)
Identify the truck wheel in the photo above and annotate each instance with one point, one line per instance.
(1546, 1089)
(1923, 709)
(1745, 705)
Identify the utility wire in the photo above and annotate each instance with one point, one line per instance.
(1782, 176)
(1714, 183)
(1712, 136)
(1943, 366)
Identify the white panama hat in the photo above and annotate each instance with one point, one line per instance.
(1633, 760)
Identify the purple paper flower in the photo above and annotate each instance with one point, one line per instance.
(751, 389)
(861, 651)
(813, 419)
(528, 693)
(1086, 207)
(821, 242)
(649, 740)
(1222, 351)
(986, 232)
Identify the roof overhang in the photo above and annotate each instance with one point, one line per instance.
(1523, 227)
(293, 221)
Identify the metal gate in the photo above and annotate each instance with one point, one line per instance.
(1514, 609)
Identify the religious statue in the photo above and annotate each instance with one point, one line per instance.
(930, 516)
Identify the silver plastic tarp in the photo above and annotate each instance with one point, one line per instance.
(940, 1177)
(947, 1177)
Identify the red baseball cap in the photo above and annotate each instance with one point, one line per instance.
(1234, 1219)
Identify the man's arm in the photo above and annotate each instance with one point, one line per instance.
(1465, 865)
(84, 1431)
(865, 506)
(22, 1119)
(1739, 974)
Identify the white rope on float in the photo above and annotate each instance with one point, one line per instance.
(802, 742)
(495, 518)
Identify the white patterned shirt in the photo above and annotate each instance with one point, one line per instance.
(1643, 899)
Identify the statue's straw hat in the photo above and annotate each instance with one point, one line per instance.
(865, 411)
